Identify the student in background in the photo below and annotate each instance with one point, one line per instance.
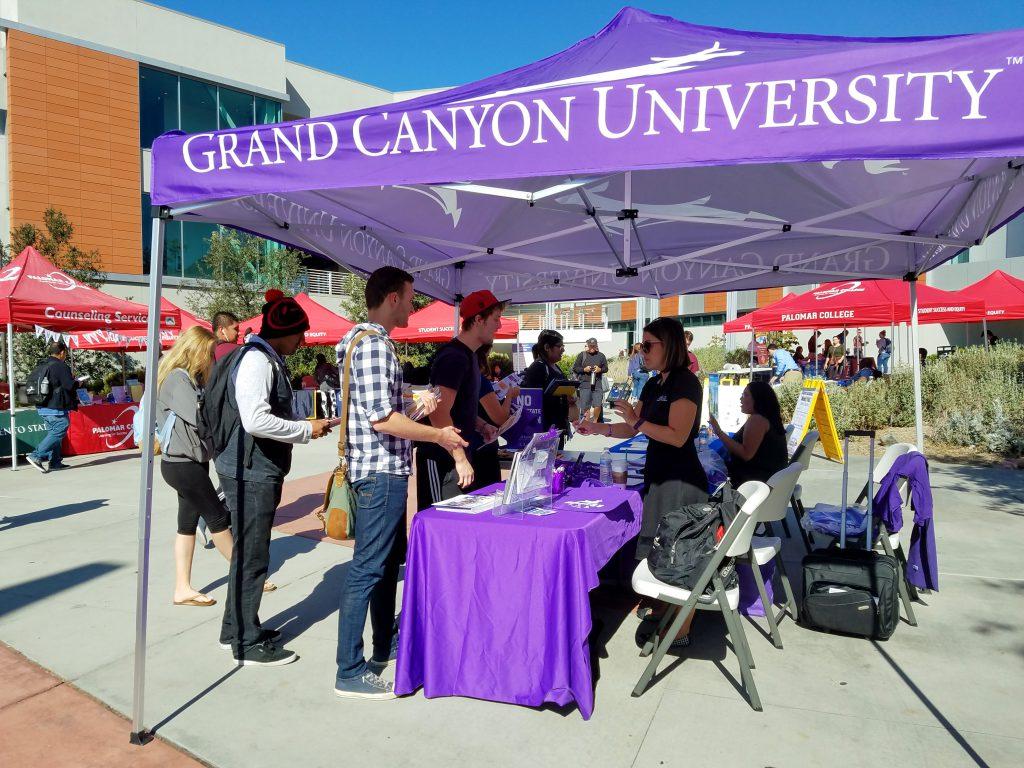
(547, 352)
(486, 468)
(225, 328)
(55, 411)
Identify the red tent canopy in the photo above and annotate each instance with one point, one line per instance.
(34, 292)
(325, 326)
(115, 341)
(434, 323)
(860, 302)
(1003, 295)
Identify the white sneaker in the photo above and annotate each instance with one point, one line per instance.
(37, 464)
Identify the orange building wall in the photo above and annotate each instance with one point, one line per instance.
(714, 302)
(766, 296)
(628, 310)
(73, 138)
(669, 306)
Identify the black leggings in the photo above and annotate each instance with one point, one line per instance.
(196, 496)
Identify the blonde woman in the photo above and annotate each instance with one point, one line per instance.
(185, 459)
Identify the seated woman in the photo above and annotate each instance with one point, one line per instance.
(867, 371)
(758, 450)
(799, 357)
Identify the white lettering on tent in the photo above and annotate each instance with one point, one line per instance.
(281, 138)
(524, 114)
(226, 151)
(774, 102)
(208, 154)
(929, 91)
(822, 104)
(405, 132)
(975, 93)
(544, 113)
(357, 138)
(857, 95)
(476, 123)
(677, 120)
(602, 111)
(433, 123)
(311, 129)
(256, 146)
(893, 80)
(730, 111)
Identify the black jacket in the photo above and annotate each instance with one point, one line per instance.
(62, 387)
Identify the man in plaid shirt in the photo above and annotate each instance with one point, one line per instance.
(378, 449)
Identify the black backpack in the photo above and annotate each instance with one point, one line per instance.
(685, 543)
(218, 411)
(39, 388)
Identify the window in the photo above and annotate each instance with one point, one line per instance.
(697, 321)
(198, 106)
(236, 109)
(963, 258)
(195, 244)
(267, 111)
(1015, 237)
(158, 104)
(172, 249)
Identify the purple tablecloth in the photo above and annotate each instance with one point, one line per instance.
(498, 608)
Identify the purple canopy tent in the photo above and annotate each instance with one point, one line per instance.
(655, 157)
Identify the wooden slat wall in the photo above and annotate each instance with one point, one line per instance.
(714, 302)
(74, 144)
(766, 296)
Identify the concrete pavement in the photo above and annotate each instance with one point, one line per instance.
(943, 694)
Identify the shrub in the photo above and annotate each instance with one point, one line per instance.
(711, 357)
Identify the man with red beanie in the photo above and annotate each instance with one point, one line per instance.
(252, 467)
(441, 474)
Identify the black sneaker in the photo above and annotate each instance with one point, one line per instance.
(36, 463)
(273, 635)
(54, 467)
(265, 654)
(366, 686)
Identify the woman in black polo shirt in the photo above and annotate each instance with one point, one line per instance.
(669, 414)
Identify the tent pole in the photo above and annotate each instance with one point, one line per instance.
(13, 389)
(139, 735)
(753, 345)
(918, 409)
(984, 331)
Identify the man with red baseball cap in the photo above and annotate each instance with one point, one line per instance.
(439, 474)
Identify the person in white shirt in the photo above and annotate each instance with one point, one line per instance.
(252, 467)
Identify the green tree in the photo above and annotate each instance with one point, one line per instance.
(55, 241)
(241, 269)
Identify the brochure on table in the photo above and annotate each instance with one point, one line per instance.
(529, 480)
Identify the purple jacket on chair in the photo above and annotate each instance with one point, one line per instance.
(922, 563)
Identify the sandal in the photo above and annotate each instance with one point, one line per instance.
(199, 600)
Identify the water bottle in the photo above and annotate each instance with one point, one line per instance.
(702, 438)
(606, 467)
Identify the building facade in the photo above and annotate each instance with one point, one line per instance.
(89, 85)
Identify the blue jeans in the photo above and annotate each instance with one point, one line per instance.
(57, 423)
(372, 580)
(883, 361)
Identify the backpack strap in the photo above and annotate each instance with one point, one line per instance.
(346, 380)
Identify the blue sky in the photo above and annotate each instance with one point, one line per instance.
(408, 45)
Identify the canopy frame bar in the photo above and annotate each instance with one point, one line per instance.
(592, 213)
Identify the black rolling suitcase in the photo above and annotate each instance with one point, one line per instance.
(852, 591)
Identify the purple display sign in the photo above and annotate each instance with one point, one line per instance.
(530, 421)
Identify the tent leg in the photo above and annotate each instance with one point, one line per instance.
(12, 387)
(139, 734)
(984, 331)
(753, 344)
(916, 358)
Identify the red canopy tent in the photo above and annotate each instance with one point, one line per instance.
(1003, 295)
(114, 341)
(435, 323)
(325, 326)
(860, 302)
(34, 292)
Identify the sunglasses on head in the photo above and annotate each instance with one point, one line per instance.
(646, 345)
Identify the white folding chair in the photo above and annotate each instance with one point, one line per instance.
(763, 549)
(802, 456)
(682, 602)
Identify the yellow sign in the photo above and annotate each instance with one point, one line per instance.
(813, 402)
